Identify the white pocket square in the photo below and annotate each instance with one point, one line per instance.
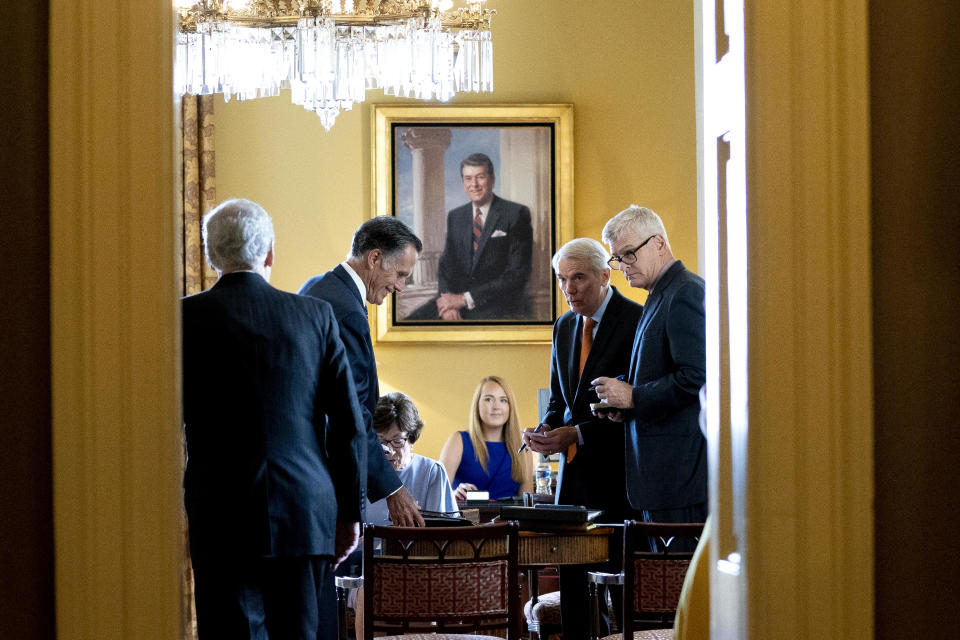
(499, 233)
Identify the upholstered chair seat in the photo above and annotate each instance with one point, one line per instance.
(438, 636)
(543, 617)
(650, 634)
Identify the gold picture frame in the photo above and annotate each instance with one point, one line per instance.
(417, 172)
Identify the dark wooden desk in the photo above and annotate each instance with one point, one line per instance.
(543, 549)
(546, 548)
(540, 549)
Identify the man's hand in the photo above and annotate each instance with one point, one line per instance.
(450, 315)
(460, 493)
(551, 440)
(531, 437)
(616, 393)
(450, 302)
(403, 509)
(614, 415)
(345, 540)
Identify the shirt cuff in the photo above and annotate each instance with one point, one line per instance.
(579, 435)
(469, 299)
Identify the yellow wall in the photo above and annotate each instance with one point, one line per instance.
(630, 77)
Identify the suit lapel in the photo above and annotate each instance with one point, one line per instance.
(650, 309)
(653, 302)
(573, 358)
(351, 286)
(489, 224)
(611, 317)
(607, 327)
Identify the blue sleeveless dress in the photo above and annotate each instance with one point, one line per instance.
(498, 482)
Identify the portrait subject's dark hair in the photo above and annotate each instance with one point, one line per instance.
(385, 233)
(477, 160)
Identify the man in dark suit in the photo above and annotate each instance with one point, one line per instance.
(666, 452)
(591, 339)
(274, 441)
(382, 256)
(483, 271)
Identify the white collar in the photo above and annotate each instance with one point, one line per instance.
(357, 280)
(598, 314)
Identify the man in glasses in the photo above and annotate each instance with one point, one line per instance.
(658, 401)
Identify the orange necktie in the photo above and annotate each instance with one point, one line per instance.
(586, 341)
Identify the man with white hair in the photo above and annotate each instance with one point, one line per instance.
(275, 441)
(593, 338)
(666, 462)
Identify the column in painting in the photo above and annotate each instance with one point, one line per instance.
(427, 146)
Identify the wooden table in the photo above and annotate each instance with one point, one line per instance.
(543, 549)
(539, 549)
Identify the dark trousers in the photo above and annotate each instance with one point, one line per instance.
(264, 598)
(575, 610)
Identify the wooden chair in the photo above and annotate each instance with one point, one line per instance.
(445, 582)
(652, 580)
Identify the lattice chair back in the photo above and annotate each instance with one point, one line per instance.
(447, 580)
(653, 580)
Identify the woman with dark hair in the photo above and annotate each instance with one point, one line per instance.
(398, 426)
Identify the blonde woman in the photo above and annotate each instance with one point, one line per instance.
(485, 458)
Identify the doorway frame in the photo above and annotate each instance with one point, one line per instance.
(117, 453)
(115, 334)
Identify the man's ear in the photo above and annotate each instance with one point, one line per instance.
(268, 261)
(374, 257)
(605, 278)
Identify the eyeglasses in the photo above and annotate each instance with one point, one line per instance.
(396, 443)
(629, 257)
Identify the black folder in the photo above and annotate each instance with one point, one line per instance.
(549, 513)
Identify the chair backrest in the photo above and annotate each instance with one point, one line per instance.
(447, 579)
(655, 561)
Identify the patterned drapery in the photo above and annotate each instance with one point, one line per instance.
(199, 189)
(199, 193)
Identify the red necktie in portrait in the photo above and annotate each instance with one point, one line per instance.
(477, 229)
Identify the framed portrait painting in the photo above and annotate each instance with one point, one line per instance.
(489, 191)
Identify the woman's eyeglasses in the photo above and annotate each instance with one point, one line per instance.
(396, 443)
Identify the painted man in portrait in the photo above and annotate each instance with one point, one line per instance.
(485, 265)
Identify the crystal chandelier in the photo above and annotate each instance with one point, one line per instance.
(329, 52)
